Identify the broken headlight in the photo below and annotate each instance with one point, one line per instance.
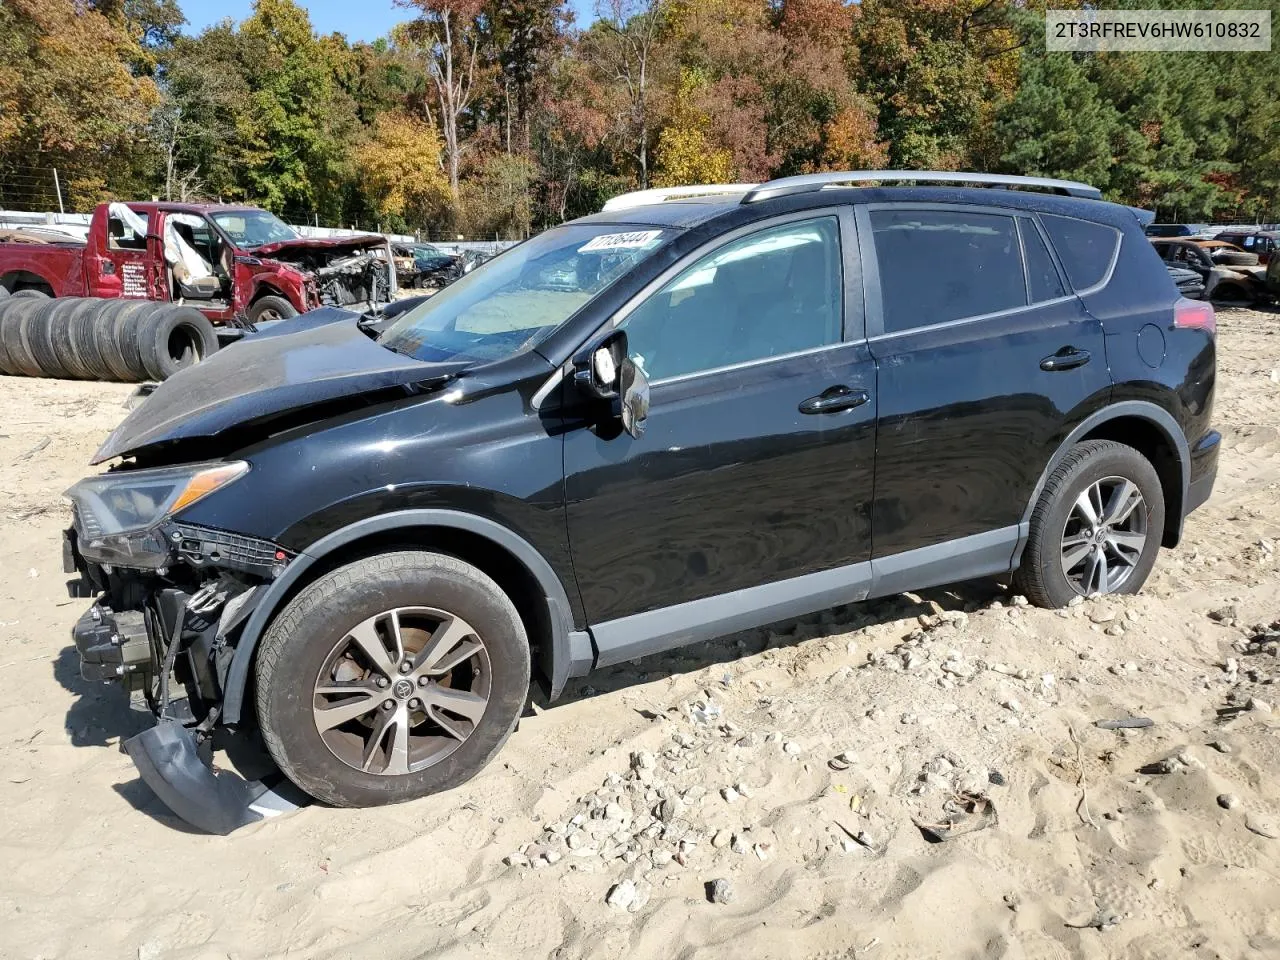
(117, 513)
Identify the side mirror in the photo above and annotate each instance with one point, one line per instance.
(610, 374)
(634, 387)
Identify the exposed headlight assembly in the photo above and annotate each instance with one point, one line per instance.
(117, 513)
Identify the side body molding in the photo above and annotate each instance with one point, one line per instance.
(1142, 409)
(569, 652)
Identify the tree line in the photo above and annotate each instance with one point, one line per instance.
(500, 117)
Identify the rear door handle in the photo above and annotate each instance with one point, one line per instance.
(1068, 358)
(834, 400)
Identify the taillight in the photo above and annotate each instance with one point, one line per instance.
(1194, 315)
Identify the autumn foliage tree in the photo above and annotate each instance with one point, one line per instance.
(400, 166)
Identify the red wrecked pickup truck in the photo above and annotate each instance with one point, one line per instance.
(227, 261)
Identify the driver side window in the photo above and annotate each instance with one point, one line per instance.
(770, 294)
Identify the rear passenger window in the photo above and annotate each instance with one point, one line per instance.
(1042, 275)
(1085, 249)
(937, 266)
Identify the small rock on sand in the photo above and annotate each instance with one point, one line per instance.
(622, 894)
(1228, 801)
(1258, 705)
(1263, 826)
(720, 891)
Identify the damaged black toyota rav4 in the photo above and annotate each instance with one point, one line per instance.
(681, 417)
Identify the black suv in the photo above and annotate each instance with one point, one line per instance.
(678, 418)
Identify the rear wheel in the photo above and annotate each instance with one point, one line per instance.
(391, 678)
(1096, 527)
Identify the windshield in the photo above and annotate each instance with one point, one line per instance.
(515, 299)
(253, 228)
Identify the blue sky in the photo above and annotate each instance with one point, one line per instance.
(361, 20)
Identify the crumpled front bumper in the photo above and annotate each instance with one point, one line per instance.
(169, 763)
(116, 645)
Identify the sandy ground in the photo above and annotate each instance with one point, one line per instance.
(1091, 842)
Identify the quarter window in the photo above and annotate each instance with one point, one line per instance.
(1042, 275)
(770, 294)
(1086, 249)
(937, 266)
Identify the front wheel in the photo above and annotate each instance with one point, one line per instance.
(1096, 527)
(269, 308)
(392, 678)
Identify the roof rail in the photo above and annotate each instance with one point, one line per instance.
(807, 183)
(644, 198)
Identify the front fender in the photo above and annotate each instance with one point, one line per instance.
(569, 652)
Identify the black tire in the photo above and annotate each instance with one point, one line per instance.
(60, 335)
(27, 311)
(29, 293)
(102, 327)
(173, 338)
(127, 327)
(41, 336)
(301, 640)
(17, 359)
(1041, 577)
(84, 339)
(271, 308)
(1234, 258)
(7, 367)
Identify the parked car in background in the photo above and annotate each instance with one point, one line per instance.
(1262, 243)
(671, 420)
(1189, 283)
(1178, 230)
(227, 261)
(1226, 279)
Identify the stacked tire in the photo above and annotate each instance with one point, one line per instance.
(82, 338)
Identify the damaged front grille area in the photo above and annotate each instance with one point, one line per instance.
(358, 279)
(206, 547)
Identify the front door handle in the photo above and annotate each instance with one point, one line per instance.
(1068, 358)
(834, 400)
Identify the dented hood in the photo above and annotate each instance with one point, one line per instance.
(262, 377)
(363, 241)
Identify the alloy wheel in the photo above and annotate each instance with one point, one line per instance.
(1104, 536)
(402, 690)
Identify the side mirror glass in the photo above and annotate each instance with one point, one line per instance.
(600, 376)
(634, 387)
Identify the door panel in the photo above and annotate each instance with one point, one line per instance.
(729, 487)
(969, 410)
(732, 484)
(130, 267)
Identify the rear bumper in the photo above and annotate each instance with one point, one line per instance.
(1204, 470)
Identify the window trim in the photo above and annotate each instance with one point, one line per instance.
(1063, 280)
(853, 317)
(874, 309)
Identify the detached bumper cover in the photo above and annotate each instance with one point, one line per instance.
(169, 763)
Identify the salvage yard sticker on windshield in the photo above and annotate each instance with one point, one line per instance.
(621, 241)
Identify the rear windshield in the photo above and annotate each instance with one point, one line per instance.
(513, 301)
(1086, 249)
